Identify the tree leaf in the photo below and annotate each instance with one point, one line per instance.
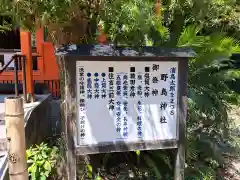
(99, 178)
(89, 172)
(32, 168)
(138, 152)
(30, 161)
(47, 166)
(43, 177)
(89, 167)
(47, 173)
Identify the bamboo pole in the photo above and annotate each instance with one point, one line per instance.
(14, 121)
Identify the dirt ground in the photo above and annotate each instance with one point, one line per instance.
(235, 169)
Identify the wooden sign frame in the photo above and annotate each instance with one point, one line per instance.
(67, 58)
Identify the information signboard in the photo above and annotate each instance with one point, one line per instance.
(117, 99)
(127, 102)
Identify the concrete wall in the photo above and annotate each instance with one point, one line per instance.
(38, 123)
(55, 117)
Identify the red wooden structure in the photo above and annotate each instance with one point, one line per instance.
(46, 70)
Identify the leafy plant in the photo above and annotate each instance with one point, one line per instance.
(209, 98)
(212, 15)
(134, 22)
(32, 13)
(126, 22)
(125, 25)
(62, 18)
(42, 160)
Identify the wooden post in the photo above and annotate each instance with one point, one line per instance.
(26, 48)
(39, 40)
(39, 46)
(182, 113)
(14, 121)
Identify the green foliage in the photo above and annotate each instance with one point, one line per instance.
(62, 18)
(42, 160)
(125, 25)
(28, 14)
(212, 15)
(89, 175)
(131, 22)
(126, 22)
(209, 98)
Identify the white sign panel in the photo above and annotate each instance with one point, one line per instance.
(126, 101)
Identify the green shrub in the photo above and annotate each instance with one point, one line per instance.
(42, 160)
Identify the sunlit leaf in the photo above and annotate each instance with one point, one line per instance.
(47, 166)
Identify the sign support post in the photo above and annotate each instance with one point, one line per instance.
(180, 154)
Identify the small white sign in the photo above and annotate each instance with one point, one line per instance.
(126, 101)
